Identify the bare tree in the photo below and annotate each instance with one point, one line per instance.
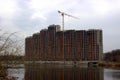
(10, 44)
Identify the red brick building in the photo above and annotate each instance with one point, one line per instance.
(69, 40)
(43, 43)
(59, 46)
(54, 45)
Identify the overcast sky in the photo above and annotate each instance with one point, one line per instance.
(30, 16)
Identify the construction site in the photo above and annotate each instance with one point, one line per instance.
(54, 44)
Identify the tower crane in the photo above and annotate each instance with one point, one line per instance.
(62, 14)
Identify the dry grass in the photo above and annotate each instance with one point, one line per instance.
(2, 71)
(109, 64)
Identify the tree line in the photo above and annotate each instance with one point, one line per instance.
(113, 56)
(11, 58)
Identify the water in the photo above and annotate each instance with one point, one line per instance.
(111, 74)
(60, 72)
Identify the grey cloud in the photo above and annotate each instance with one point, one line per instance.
(109, 23)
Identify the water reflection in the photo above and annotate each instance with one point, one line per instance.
(47, 72)
(60, 72)
(15, 73)
(111, 74)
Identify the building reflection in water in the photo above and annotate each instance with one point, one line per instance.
(46, 72)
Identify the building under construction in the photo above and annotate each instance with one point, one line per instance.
(52, 44)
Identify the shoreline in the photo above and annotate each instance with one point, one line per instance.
(103, 64)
